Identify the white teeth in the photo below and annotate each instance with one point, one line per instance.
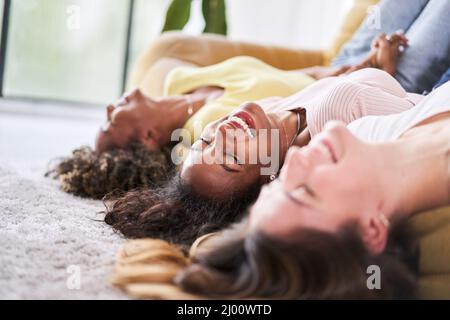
(249, 133)
(243, 125)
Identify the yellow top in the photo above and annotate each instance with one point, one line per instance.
(243, 79)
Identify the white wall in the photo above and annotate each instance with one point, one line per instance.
(298, 23)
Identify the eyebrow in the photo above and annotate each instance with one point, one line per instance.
(223, 165)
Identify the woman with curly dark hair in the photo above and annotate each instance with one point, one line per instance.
(238, 153)
(141, 127)
(192, 96)
(93, 175)
(217, 179)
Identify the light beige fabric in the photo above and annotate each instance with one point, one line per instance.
(433, 230)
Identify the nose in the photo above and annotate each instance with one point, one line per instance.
(133, 94)
(136, 92)
(251, 107)
(227, 137)
(295, 169)
(109, 110)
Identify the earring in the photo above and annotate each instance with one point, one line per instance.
(190, 109)
(384, 220)
(272, 177)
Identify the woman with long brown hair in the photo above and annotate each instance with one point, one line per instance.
(218, 179)
(339, 207)
(234, 156)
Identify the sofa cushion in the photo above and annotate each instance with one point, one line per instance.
(432, 229)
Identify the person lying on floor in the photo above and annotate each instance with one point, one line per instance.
(339, 206)
(133, 147)
(218, 178)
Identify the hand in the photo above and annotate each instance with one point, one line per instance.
(384, 53)
(397, 38)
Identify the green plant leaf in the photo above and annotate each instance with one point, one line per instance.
(177, 15)
(214, 13)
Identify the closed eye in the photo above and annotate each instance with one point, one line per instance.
(207, 142)
(302, 196)
(236, 160)
(203, 140)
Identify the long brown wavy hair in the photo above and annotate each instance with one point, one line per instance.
(236, 264)
(87, 173)
(175, 212)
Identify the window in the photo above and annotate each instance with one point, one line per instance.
(76, 50)
(83, 50)
(148, 19)
(2, 4)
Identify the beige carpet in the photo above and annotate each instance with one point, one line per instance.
(47, 237)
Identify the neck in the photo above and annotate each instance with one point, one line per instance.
(415, 174)
(287, 123)
(178, 109)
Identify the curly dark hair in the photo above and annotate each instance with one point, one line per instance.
(93, 175)
(174, 212)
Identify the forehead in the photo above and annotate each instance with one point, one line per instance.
(207, 179)
(212, 179)
(112, 136)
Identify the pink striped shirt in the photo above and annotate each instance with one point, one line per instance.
(347, 98)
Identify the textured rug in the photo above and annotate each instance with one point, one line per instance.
(51, 247)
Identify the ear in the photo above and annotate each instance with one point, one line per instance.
(146, 137)
(374, 234)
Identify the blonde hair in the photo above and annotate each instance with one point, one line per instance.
(146, 268)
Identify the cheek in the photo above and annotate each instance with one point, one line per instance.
(329, 183)
(210, 129)
(266, 144)
(248, 152)
(101, 142)
(194, 158)
(337, 188)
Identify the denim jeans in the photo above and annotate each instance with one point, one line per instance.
(392, 17)
(428, 55)
(443, 79)
(427, 26)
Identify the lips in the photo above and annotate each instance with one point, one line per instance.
(242, 120)
(247, 118)
(330, 149)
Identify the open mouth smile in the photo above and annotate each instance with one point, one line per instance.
(243, 121)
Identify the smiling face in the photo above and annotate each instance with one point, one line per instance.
(232, 151)
(130, 120)
(330, 183)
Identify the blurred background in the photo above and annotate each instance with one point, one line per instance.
(63, 60)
